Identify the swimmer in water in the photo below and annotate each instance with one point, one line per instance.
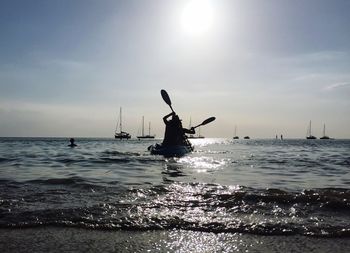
(72, 144)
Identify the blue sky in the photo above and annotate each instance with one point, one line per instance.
(266, 66)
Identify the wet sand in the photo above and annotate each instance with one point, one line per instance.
(56, 239)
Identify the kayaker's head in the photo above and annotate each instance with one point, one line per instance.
(176, 118)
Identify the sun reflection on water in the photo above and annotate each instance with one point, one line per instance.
(202, 164)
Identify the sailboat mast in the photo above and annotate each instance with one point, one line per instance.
(324, 129)
(310, 129)
(120, 119)
(143, 125)
(149, 128)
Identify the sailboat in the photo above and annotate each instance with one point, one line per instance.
(324, 137)
(198, 136)
(148, 136)
(309, 136)
(235, 137)
(121, 135)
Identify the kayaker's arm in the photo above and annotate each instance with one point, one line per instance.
(189, 131)
(167, 116)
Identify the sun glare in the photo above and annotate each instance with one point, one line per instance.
(197, 17)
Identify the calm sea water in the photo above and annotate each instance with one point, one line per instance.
(265, 187)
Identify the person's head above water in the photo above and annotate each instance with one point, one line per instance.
(72, 144)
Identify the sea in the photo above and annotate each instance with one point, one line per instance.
(291, 188)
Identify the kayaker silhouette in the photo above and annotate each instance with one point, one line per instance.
(72, 144)
(175, 141)
(175, 134)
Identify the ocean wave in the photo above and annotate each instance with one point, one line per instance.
(59, 181)
(85, 220)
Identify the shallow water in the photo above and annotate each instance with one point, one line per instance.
(263, 187)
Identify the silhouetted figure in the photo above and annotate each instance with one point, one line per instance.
(174, 132)
(72, 144)
(282, 137)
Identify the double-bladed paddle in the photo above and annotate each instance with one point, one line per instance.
(167, 100)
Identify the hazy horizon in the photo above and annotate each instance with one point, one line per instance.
(267, 67)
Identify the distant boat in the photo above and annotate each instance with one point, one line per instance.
(121, 135)
(246, 137)
(235, 137)
(198, 136)
(148, 136)
(324, 137)
(309, 136)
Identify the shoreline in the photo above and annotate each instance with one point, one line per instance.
(62, 239)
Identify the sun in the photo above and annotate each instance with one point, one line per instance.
(197, 17)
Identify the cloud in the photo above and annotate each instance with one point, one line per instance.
(315, 57)
(337, 86)
(66, 64)
(325, 56)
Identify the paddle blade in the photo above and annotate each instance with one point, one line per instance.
(165, 97)
(208, 120)
(211, 119)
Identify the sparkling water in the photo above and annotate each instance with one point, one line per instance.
(262, 187)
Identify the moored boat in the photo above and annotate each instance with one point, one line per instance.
(121, 134)
(309, 136)
(236, 137)
(324, 137)
(143, 136)
(198, 136)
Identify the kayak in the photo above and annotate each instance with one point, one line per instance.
(169, 151)
(178, 150)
